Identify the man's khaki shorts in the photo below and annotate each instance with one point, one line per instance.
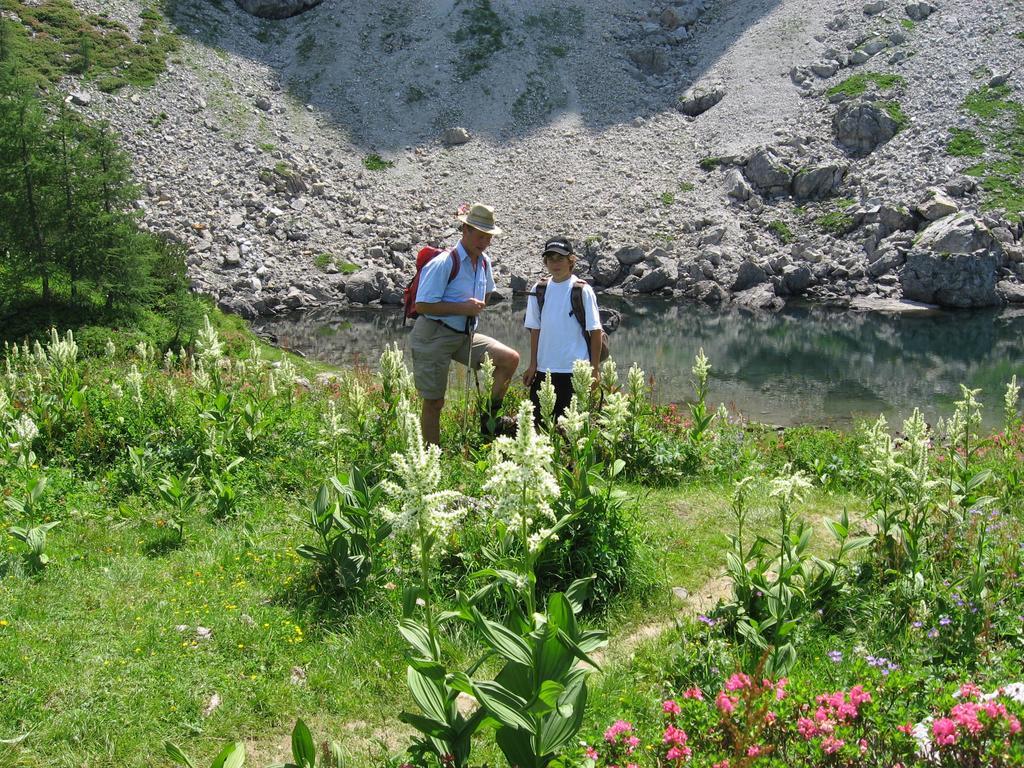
(434, 346)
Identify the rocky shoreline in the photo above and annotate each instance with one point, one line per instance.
(823, 191)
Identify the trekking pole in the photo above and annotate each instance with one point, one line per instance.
(471, 371)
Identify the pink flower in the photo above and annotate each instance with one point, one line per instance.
(632, 742)
(859, 696)
(678, 753)
(944, 731)
(863, 744)
(738, 682)
(670, 707)
(770, 717)
(674, 735)
(723, 764)
(725, 703)
(780, 688)
(970, 691)
(806, 728)
(1014, 724)
(832, 745)
(753, 750)
(906, 728)
(619, 726)
(693, 693)
(592, 754)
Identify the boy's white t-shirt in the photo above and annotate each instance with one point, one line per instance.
(561, 341)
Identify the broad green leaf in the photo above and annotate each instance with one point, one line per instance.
(175, 753)
(419, 638)
(561, 615)
(426, 725)
(427, 695)
(557, 730)
(232, 756)
(579, 591)
(503, 640)
(517, 746)
(502, 704)
(303, 750)
(575, 650)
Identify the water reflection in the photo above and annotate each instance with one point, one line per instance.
(804, 365)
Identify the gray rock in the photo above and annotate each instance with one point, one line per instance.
(232, 258)
(655, 280)
(1000, 78)
(875, 45)
(629, 255)
(874, 7)
(669, 19)
(795, 279)
(519, 284)
(919, 11)
(710, 292)
(736, 186)
(650, 61)
(818, 182)
(276, 9)
(80, 98)
(700, 99)
(951, 280)
(760, 297)
(1010, 291)
(937, 206)
(885, 261)
(454, 136)
(767, 174)
(960, 233)
(606, 270)
(861, 126)
(296, 298)
(363, 287)
(825, 69)
(263, 103)
(749, 274)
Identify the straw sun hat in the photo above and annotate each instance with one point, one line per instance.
(480, 216)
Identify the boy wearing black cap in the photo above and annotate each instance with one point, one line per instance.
(557, 337)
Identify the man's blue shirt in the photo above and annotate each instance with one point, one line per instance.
(468, 284)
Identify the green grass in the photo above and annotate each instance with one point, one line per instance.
(855, 85)
(556, 21)
(1020, 35)
(347, 267)
(266, 147)
(374, 162)
(782, 231)
(323, 260)
(687, 186)
(999, 132)
(306, 48)
(710, 163)
(55, 39)
(908, 24)
(667, 198)
(837, 222)
(964, 144)
(895, 110)
(480, 35)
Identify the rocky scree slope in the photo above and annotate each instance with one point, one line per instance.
(744, 151)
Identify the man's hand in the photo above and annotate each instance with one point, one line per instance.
(473, 307)
(529, 374)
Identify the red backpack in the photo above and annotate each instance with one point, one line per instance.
(425, 256)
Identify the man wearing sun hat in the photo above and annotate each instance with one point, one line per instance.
(448, 309)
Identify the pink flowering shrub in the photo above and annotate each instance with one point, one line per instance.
(752, 722)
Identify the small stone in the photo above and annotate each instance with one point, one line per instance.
(453, 137)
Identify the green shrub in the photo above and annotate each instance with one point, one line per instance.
(964, 144)
(667, 198)
(781, 231)
(375, 162)
(855, 85)
(710, 163)
(907, 24)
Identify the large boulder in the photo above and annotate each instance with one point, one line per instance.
(363, 287)
(700, 99)
(919, 11)
(628, 255)
(276, 9)
(749, 274)
(656, 279)
(937, 206)
(760, 297)
(606, 270)
(767, 173)
(794, 280)
(960, 233)
(861, 126)
(818, 182)
(951, 280)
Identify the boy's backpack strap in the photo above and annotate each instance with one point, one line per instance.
(578, 310)
(539, 292)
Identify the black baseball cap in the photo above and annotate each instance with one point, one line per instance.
(560, 245)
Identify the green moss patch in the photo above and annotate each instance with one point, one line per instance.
(48, 41)
(964, 144)
(781, 231)
(856, 85)
(375, 162)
